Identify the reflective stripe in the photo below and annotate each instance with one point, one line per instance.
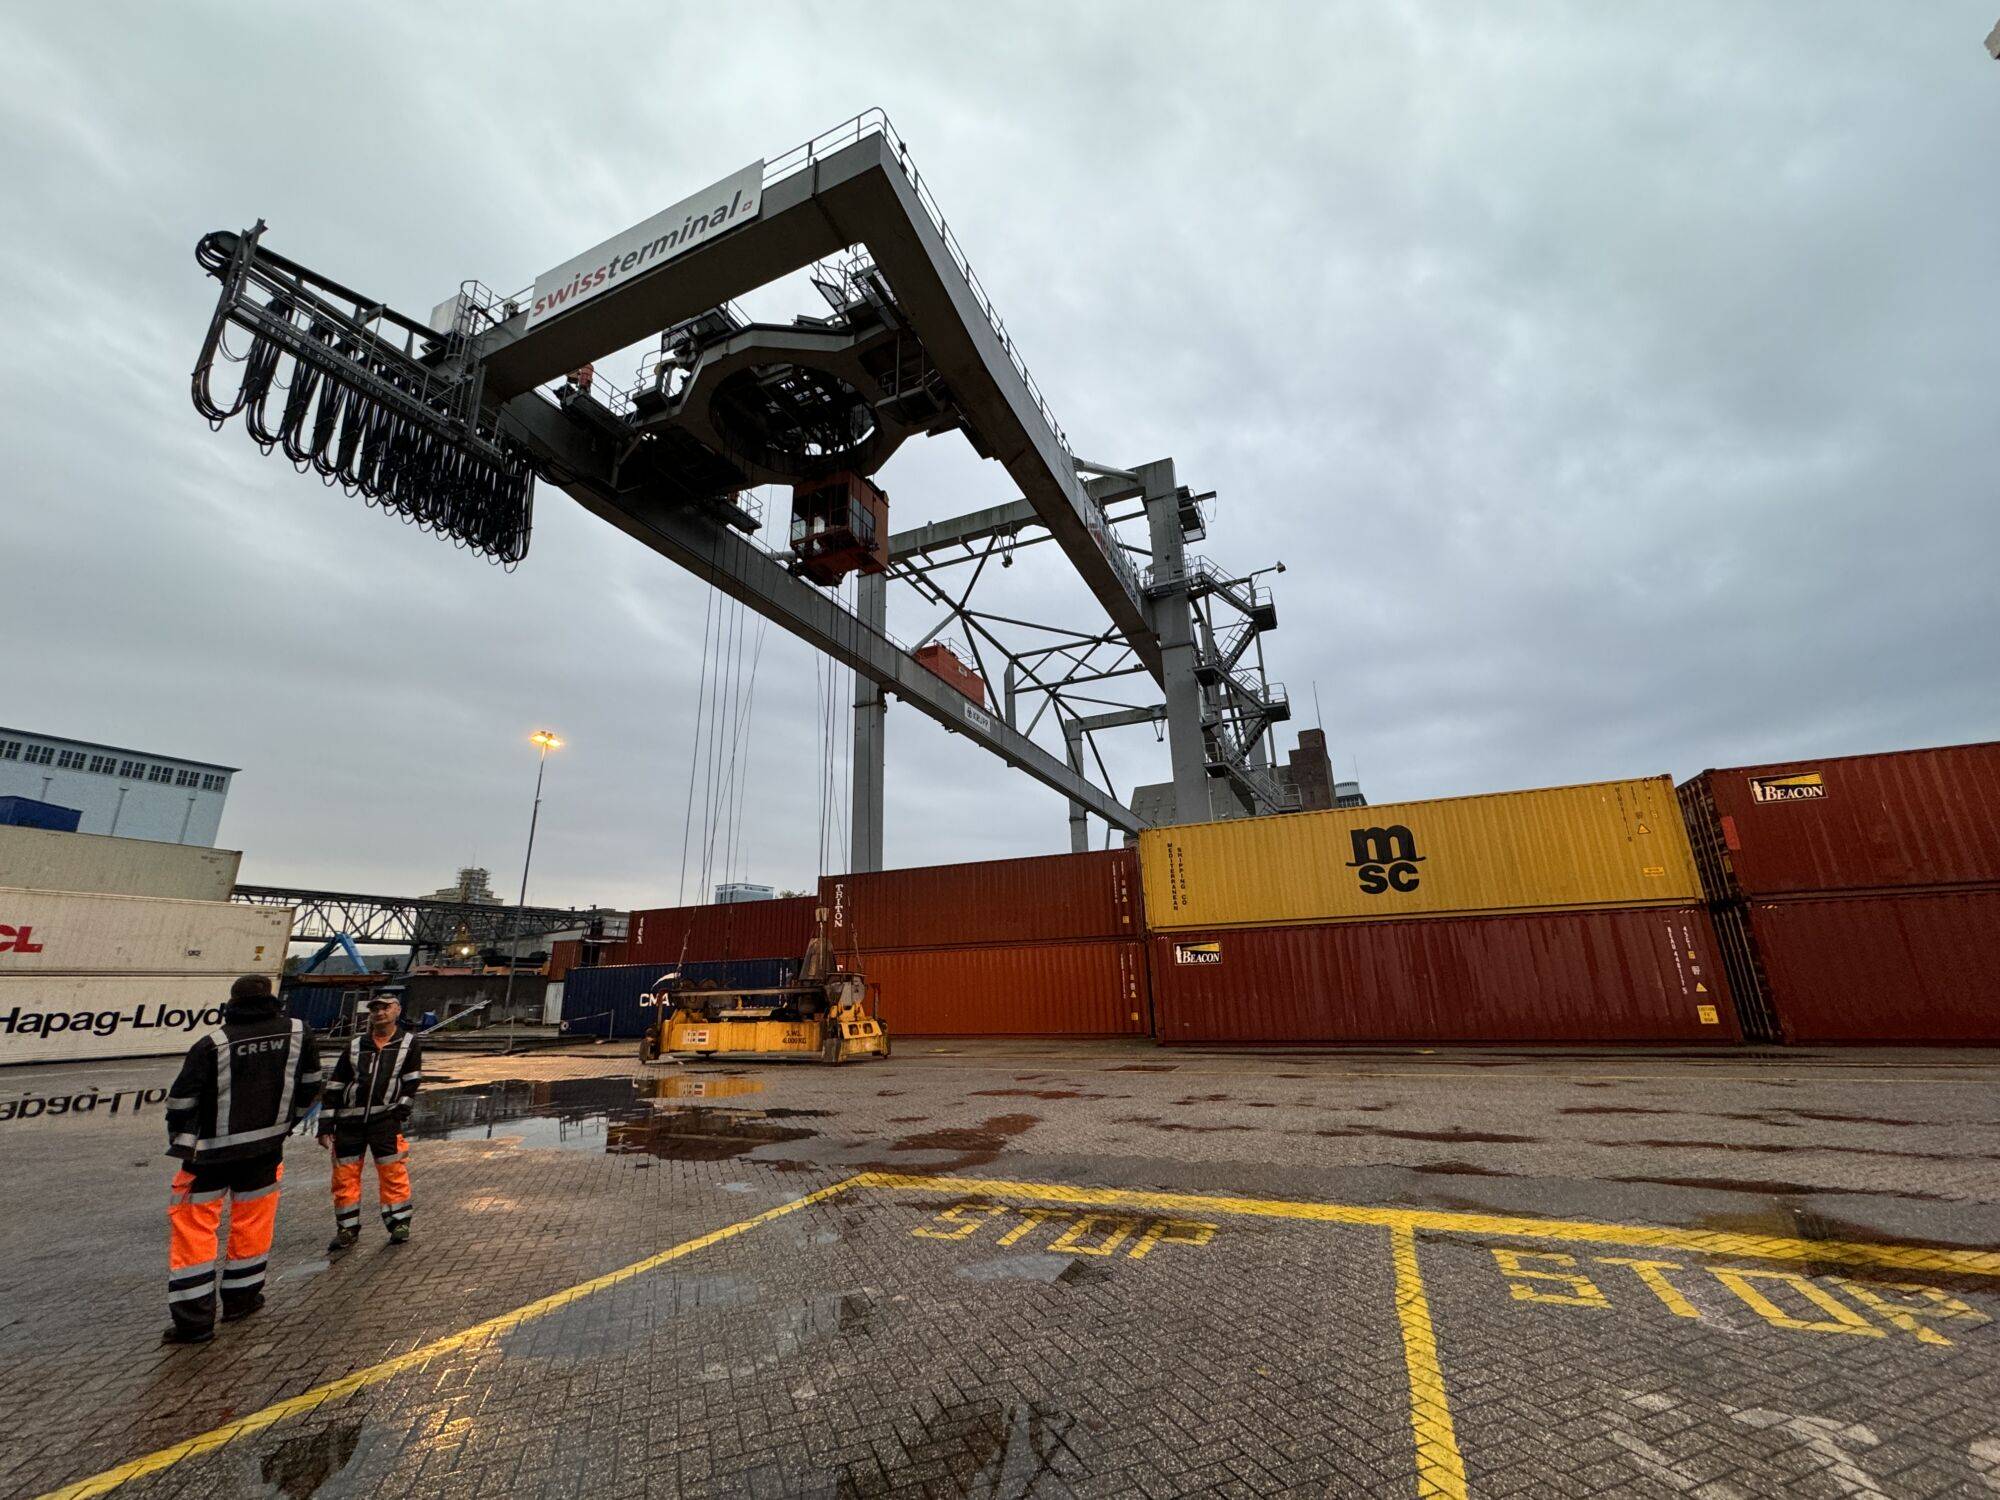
(348, 1161)
(284, 1111)
(247, 1264)
(191, 1275)
(213, 1195)
(241, 1137)
(181, 1101)
(256, 1193)
(346, 1218)
(313, 1077)
(385, 1161)
(185, 1138)
(235, 1281)
(225, 1066)
(413, 1076)
(192, 1294)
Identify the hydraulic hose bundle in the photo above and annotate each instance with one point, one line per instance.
(320, 383)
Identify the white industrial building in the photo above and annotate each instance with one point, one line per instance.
(132, 794)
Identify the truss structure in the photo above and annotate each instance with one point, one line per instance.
(909, 344)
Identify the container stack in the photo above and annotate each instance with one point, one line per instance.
(730, 930)
(91, 972)
(1857, 897)
(1562, 915)
(1049, 946)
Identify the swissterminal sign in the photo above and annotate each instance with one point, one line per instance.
(670, 232)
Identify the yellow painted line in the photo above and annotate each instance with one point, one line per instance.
(1440, 1466)
(347, 1385)
(1691, 1241)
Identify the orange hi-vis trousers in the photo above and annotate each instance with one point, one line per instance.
(194, 1215)
(392, 1176)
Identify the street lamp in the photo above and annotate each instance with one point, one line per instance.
(544, 740)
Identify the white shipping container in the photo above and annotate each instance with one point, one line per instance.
(72, 1017)
(41, 860)
(65, 932)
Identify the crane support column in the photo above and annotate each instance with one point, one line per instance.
(1173, 623)
(871, 712)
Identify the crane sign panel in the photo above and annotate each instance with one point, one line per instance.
(669, 233)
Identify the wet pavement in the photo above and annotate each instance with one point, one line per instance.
(1029, 1269)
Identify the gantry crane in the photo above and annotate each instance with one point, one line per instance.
(450, 420)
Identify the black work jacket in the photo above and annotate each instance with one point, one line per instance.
(372, 1084)
(242, 1086)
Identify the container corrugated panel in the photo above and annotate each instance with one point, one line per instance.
(1745, 974)
(1046, 899)
(70, 932)
(734, 929)
(1907, 819)
(1919, 967)
(1043, 989)
(40, 860)
(605, 1001)
(1646, 975)
(1609, 844)
(67, 1017)
(564, 954)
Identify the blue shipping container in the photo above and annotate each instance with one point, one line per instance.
(26, 812)
(604, 1001)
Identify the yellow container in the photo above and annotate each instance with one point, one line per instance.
(1609, 844)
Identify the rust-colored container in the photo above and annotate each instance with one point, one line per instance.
(734, 929)
(1917, 967)
(1042, 989)
(564, 954)
(1908, 819)
(1052, 898)
(1642, 975)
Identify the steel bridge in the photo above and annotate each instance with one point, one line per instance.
(418, 923)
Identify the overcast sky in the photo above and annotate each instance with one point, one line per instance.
(1616, 382)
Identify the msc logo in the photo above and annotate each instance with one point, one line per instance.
(1385, 859)
(1800, 786)
(18, 940)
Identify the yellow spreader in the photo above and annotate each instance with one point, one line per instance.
(822, 1018)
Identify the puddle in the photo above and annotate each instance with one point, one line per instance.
(300, 1465)
(1041, 1265)
(976, 1145)
(619, 1116)
(1037, 1094)
(981, 1446)
(703, 1088)
(304, 1268)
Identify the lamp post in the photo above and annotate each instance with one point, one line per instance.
(545, 741)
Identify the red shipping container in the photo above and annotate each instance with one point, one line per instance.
(1049, 899)
(1047, 989)
(1921, 967)
(1848, 823)
(1646, 975)
(734, 929)
(564, 955)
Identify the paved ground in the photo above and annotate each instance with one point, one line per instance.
(1053, 1269)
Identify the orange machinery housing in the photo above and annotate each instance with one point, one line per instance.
(840, 525)
(944, 662)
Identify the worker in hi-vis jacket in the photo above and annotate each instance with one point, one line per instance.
(367, 1104)
(241, 1089)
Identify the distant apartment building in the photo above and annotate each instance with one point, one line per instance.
(133, 794)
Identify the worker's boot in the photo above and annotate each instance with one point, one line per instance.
(342, 1241)
(399, 1234)
(233, 1312)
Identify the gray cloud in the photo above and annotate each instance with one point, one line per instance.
(1613, 380)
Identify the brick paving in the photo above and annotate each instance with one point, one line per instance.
(954, 1339)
